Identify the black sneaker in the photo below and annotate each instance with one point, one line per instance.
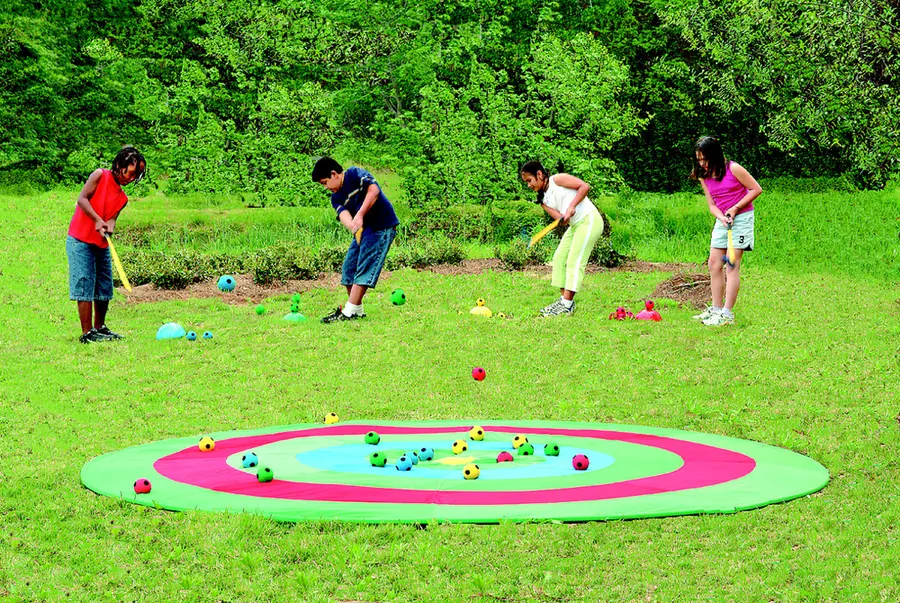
(93, 336)
(104, 330)
(338, 315)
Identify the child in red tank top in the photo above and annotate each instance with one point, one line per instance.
(90, 266)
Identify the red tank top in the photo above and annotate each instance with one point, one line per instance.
(108, 201)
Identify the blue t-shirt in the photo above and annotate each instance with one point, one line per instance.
(352, 194)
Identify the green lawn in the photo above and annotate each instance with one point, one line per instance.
(812, 365)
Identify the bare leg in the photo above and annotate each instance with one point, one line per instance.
(84, 315)
(349, 289)
(100, 308)
(733, 282)
(716, 276)
(567, 295)
(356, 293)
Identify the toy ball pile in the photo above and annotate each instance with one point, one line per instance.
(648, 313)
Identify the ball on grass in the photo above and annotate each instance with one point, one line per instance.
(142, 486)
(207, 444)
(207, 334)
(478, 373)
(471, 471)
(331, 418)
(226, 283)
(249, 460)
(398, 297)
(260, 310)
(295, 298)
(191, 336)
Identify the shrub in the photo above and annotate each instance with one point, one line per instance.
(517, 254)
(424, 251)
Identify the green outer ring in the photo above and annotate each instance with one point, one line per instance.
(780, 475)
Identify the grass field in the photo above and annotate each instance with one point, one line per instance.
(813, 365)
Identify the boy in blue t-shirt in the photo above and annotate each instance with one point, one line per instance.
(364, 210)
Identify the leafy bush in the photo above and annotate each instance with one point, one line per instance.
(283, 262)
(330, 258)
(517, 254)
(176, 270)
(424, 251)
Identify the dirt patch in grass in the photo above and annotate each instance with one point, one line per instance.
(250, 292)
(686, 287)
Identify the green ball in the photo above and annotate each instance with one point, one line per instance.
(264, 474)
(526, 449)
(551, 450)
(398, 297)
(372, 438)
(378, 459)
(295, 308)
(260, 309)
(295, 298)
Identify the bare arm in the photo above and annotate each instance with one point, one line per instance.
(84, 200)
(553, 213)
(347, 220)
(581, 190)
(753, 189)
(372, 193)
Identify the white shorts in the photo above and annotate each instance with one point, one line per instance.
(741, 233)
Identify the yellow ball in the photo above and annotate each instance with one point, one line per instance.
(519, 440)
(459, 446)
(501, 315)
(480, 301)
(476, 433)
(331, 418)
(471, 471)
(207, 444)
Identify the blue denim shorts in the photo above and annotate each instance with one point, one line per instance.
(364, 261)
(90, 271)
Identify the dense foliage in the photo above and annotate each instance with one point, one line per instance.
(237, 97)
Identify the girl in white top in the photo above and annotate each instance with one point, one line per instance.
(564, 197)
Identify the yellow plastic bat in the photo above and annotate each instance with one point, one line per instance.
(359, 236)
(118, 264)
(541, 234)
(732, 256)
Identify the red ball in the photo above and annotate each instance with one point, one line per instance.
(580, 462)
(504, 457)
(478, 373)
(142, 486)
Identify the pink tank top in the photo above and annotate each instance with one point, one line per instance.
(728, 191)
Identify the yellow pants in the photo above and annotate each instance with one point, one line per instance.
(574, 249)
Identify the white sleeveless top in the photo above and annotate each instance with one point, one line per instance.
(559, 198)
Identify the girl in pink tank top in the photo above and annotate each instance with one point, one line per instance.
(730, 191)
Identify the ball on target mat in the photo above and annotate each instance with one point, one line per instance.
(331, 418)
(471, 471)
(459, 446)
(519, 440)
(403, 464)
(476, 433)
(264, 474)
(504, 457)
(526, 449)
(426, 454)
(372, 438)
(142, 486)
(580, 462)
(551, 450)
(207, 444)
(478, 374)
(378, 459)
(413, 456)
(249, 460)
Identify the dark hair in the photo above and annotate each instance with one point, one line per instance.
(324, 167)
(715, 159)
(130, 156)
(532, 168)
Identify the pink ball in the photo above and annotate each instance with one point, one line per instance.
(478, 373)
(580, 462)
(142, 486)
(504, 457)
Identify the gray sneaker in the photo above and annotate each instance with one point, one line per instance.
(561, 309)
(93, 336)
(707, 314)
(548, 310)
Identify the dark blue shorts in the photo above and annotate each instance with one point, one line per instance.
(364, 261)
(90, 271)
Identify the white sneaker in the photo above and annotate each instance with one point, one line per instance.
(561, 309)
(719, 319)
(707, 314)
(553, 308)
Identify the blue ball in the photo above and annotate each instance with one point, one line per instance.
(413, 456)
(226, 283)
(207, 335)
(249, 460)
(191, 336)
(404, 464)
(426, 454)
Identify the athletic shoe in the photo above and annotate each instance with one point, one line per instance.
(706, 314)
(93, 336)
(339, 315)
(718, 319)
(561, 309)
(104, 330)
(549, 310)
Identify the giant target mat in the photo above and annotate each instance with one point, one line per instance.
(323, 472)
